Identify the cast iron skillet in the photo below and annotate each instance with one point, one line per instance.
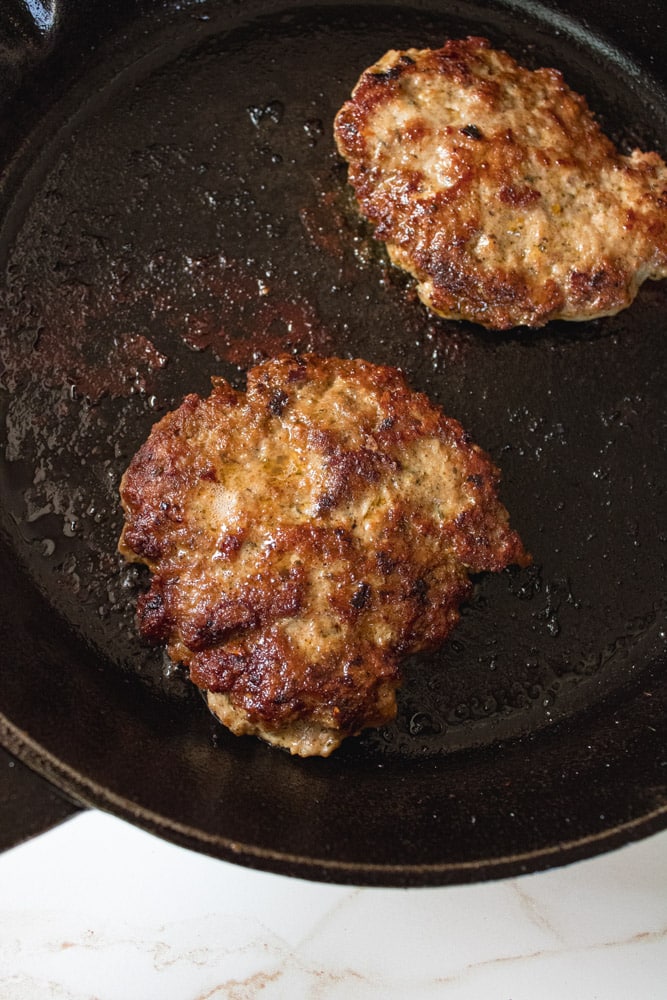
(173, 207)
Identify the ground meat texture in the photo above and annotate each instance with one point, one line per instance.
(494, 186)
(303, 537)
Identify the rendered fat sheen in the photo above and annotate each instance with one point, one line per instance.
(303, 537)
(496, 189)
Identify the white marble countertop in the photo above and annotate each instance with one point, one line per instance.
(96, 909)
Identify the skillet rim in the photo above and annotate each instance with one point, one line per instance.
(86, 791)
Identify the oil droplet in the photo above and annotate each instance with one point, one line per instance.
(422, 724)
(314, 130)
(69, 568)
(271, 113)
(70, 527)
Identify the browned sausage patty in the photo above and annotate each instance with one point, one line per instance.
(305, 535)
(494, 186)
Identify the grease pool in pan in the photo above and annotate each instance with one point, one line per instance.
(194, 218)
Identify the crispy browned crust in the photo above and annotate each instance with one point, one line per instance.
(303, 537)
(494, 186)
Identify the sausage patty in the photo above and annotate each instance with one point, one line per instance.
(305, 535)
(494, 186)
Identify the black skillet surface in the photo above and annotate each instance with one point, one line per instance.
(173, 207)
